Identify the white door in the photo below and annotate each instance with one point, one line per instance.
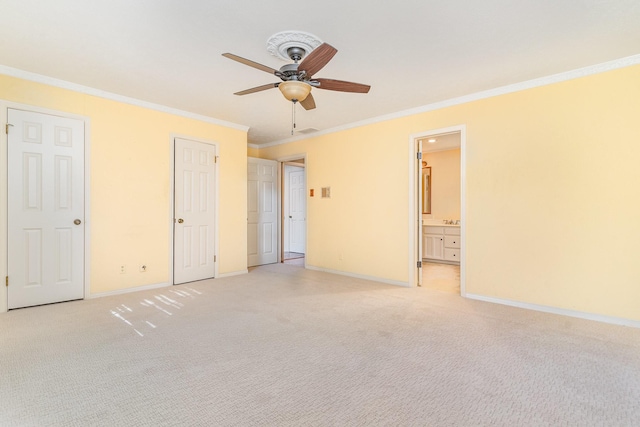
(194, 211)
(262, 215)
(297, 210)
(45, 208)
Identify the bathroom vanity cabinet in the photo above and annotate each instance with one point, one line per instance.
(441, 243)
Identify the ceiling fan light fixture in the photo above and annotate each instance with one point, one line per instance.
(295, 90)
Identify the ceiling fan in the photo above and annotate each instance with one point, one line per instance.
(297, 78)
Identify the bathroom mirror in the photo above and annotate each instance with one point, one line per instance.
(426, 190)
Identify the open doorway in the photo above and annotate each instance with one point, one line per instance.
(439, 209)
(294, 212)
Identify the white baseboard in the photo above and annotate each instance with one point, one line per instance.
(233, 273)
(360, 276)
(128, 290)
(561, 311)
(152, 286)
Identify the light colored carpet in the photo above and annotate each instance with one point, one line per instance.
(285, 346)
(295, 261)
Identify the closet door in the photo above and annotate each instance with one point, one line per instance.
(262, 215)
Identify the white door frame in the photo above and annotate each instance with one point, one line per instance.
(419, 204)
(282, 161)
(286, 230)
(172, 160)
(415, 231)
(4, 111)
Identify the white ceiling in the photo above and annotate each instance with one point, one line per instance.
(442, 142)
(412, 52)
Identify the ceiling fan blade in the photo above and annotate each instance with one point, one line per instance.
(309, 103)
(317, 59)
(257, 89)
(250, 63)
(342, 86)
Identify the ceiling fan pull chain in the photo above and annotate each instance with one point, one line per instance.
(293, 116)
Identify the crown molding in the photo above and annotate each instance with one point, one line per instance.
(62, 84)
(503, 90)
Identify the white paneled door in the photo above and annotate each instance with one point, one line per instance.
(262, 215)
(194, 211)
(45, 177)
(297, 210)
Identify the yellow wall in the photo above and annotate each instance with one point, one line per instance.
(552, 212)
(362, 228)
(445, 184)
(130, 171)
(551, 183)
(252, 152)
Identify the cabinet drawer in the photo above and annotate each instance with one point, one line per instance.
(452, 242)
(427, 229)
(452, 231)
(452, 254)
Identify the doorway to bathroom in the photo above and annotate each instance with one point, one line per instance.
(438, 207)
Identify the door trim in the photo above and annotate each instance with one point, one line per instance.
(285, 196)
(4, 198)
(284, 160)
(419, 244)
(414, 230)
(172, 159)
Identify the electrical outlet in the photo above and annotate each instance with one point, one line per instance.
(143, 268)
(123, 269)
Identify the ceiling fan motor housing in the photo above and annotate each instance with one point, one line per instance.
(288, 72)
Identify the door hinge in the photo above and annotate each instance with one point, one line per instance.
(6, 128)
(419, 155)
(7, 281)
(215, 159)
(215, 258)
(419, 264)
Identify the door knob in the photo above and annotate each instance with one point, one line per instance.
(77, 222)
(180, 220)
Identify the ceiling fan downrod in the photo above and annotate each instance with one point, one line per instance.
(296, 53)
